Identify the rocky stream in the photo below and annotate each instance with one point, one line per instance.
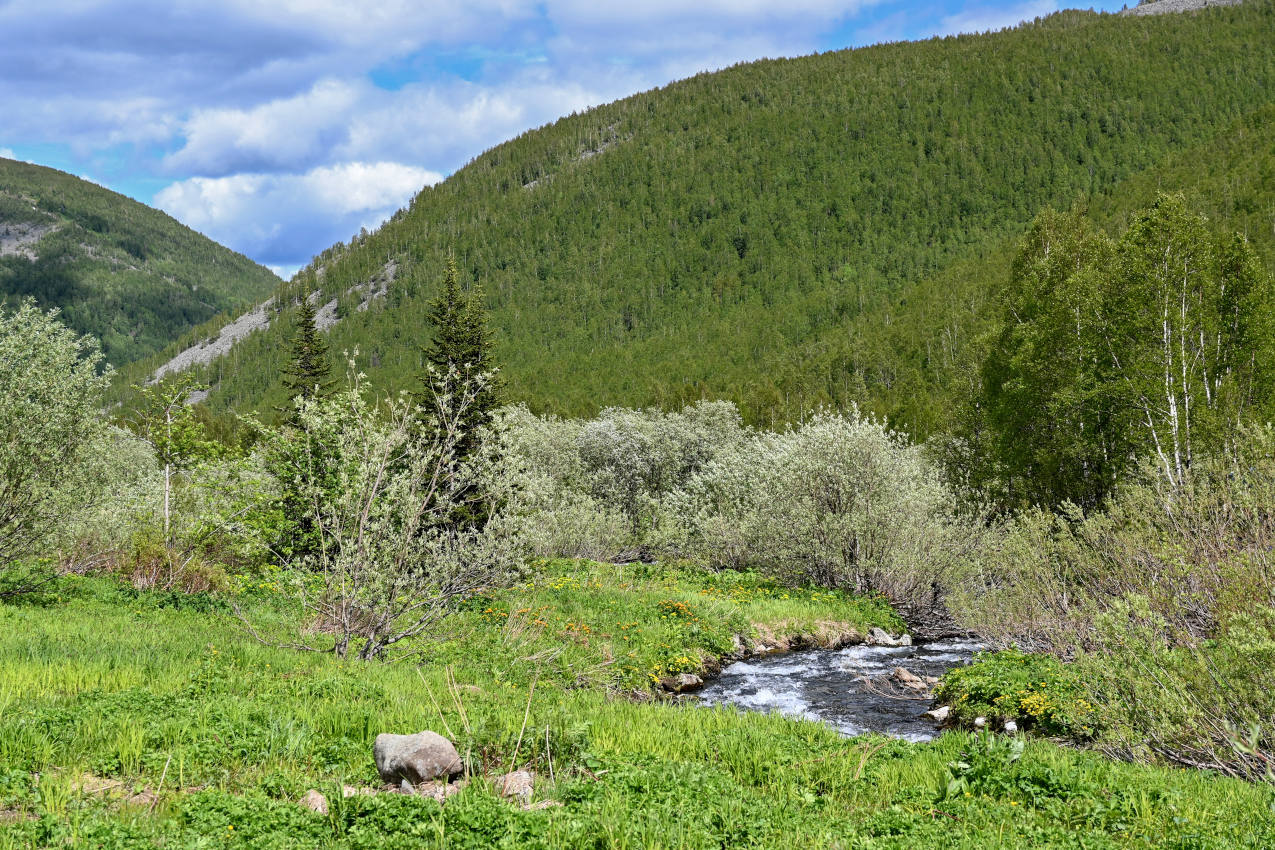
(863, 688)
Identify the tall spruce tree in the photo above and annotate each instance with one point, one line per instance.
(308, 373)
(463, 342)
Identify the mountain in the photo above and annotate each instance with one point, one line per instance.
(130, 275)
(784, 233)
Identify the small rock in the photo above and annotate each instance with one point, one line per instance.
(315, 802)
(905, 640)
(362, 791)
(544, 804)
(737, 645)
(908, 679)
(415, 758)
(980, 722)
(938, 715)
(516, 785)
(902, 674)
(1011, 727)
(682, 682)
(440, 791)
(930, 680)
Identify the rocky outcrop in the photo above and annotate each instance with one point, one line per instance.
(256, 319)
(415, 759)
(1165, 7)
(18, 238)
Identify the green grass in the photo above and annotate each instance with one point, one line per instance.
(1038, 692)
(141, 688)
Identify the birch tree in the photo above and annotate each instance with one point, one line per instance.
(164, 418)
(1156, 346)
(1186, 326)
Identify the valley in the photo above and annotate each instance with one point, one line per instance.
(870, 449)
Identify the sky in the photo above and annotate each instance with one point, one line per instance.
(278, 127)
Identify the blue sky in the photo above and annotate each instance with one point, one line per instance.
(278, 127)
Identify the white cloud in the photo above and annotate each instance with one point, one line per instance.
(278, 218)
(352, 120)
(289, 133)
(7, 153)
(990, 19)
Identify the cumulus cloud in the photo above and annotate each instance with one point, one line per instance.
(7, 153)
(349, 120)
(277, 219)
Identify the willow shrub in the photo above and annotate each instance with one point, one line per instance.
(841, 501)
(51, 385)
(596, 488)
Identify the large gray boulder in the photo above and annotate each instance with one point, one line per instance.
(415, 758)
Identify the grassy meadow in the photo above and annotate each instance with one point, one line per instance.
(140, 719)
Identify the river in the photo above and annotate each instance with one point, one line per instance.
(850, 689)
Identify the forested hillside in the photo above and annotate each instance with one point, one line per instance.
(788, 233)
(129, 275)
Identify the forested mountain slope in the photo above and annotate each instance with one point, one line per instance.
(129, 275)
(793, 232)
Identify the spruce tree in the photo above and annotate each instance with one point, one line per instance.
(308, 374)
(463, 342)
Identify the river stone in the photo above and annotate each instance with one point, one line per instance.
(908, 679)
(315, 802)
(1011, 727)
(415, 758)
(938, 715)
(682, 682)
(905, 640)
(878, 636)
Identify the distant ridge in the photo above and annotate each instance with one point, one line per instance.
(131, 276)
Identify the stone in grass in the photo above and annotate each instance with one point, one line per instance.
(440, 791)
(415, 758)
(315, 802)
(516, 785)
